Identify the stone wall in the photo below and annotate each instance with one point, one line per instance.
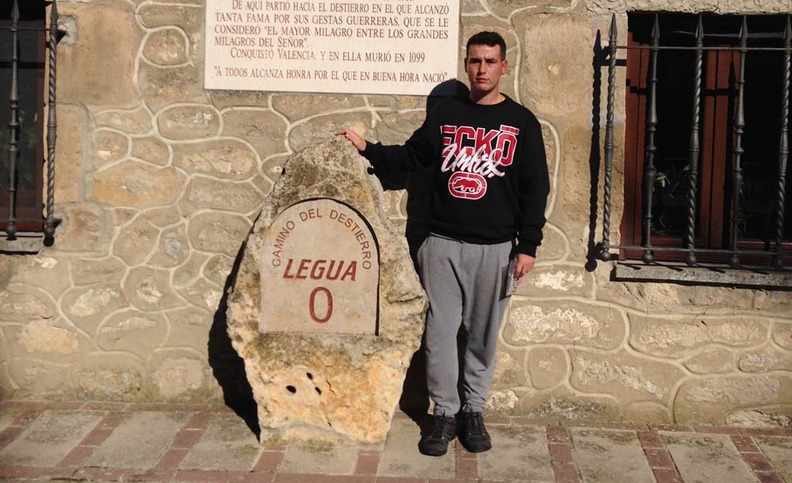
(158, 183)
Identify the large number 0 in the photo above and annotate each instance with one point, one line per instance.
(312, 305)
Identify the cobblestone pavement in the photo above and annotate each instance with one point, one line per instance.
(84, 441)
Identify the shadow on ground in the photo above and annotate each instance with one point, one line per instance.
(228, 368)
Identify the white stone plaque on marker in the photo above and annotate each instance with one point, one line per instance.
(319, 271)
(402, 47)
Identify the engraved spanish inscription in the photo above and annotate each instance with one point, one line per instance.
(319, 271)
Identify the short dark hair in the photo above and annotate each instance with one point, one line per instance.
(487, 38)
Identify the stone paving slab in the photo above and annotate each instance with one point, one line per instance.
(521, 454)
(5, 419)
(723, 461)
(139, 441)
(227, 444)
(400, 456)
(779, 452)
(621, 450)
(100, 442)
(50, 438)
(320, 459)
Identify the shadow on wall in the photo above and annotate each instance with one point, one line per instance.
(228, 368)
(599, 60)
(414, 400)
(418, 184)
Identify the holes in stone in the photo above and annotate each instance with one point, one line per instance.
(291, 389)
(318, 391)
(309, 375)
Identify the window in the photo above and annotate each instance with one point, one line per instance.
(23, 65)
(706, 140)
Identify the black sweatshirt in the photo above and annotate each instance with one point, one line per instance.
(490, 171)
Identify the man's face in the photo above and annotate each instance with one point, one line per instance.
(485, 66)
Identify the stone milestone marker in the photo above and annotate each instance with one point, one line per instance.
(326, 309)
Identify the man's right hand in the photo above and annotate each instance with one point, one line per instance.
(353, 137)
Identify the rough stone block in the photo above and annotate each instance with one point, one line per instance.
(327, 386)
(560, 402)
(93, 70)
(134, 184)
(564, 322)
(626, 377)
(712, 399)
(262, 129)
(166, 47)
(669, 337)
(131, 121)
(566, 63)
(547, 367)
(132, 331)
(110, 147)
(189, 122)
(213, 194)
(108, 377)
(39, 379)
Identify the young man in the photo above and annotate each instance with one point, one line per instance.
(488, 200)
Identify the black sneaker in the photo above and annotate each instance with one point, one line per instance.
(472, 433)
(435, 441)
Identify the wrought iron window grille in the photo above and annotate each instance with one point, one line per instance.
(21, 211)
(773, 252)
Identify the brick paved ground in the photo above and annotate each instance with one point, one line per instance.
(130, 442)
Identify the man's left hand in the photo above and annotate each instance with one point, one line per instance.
(524, 264)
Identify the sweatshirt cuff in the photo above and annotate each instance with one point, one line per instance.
(367, 149)
(526, 248)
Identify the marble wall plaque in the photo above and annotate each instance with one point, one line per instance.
(404, 47)
(319, 271)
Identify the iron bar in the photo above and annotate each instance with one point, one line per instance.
(650, 172)
(720, 251)
(706, 48)
(13, 125)
(606, 210)
(739, 128)
(783, 148)
(23, 28)
(695, 148)
(49, 222)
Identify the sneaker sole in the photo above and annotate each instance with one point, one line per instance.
(426, 452)
(475, 450)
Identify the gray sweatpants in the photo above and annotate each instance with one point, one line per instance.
(463, 282)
